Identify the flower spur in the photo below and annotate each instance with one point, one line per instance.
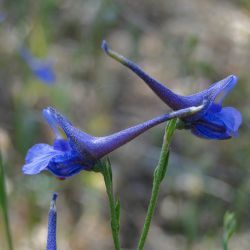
(81, 151)
(213, 121)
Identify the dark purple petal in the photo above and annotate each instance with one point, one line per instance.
(66, 170)
(205, 132)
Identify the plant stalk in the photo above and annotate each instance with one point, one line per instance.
(159, 175)
(113, 205)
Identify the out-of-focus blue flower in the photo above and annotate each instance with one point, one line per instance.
(212, 122)
(52, 217)
(41, 68)
(2, 17)
(81, 151)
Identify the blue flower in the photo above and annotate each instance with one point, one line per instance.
(2, 17)
(81, 151)
(42, 69)
(52, 217)
(213, 121)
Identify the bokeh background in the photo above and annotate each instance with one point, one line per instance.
(185, 44)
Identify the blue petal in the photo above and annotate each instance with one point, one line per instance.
(52, 122)
(220, 89)
(38, 158)
(62, 145)
(232, 119)
(66, 165)
(41, 68)
(44, 72)
(218, 125)
(2, 17)
(206, 133)
(60, 163)
(214, 96)
(80, 141)
(217, 91)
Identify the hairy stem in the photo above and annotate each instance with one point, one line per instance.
(159, 175)
(113, 205)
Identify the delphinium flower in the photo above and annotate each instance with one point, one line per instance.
(52, 218)
(41, 68)
(213, 121)
(81, 151)
(2, 17)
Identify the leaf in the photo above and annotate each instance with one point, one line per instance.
(161, 169)
(170, 128)
(109, 168)
(164, 166)
(229, 225)
(4, 205)
(117, 210)
(2, 186)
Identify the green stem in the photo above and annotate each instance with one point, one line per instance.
(229, 227)
(4, 205)
(225, 246)
(7, 228)
(159, 175)
(113, 205)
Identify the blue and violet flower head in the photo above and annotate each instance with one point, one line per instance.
(41, 68)
(52, 218)
(81, 151)
(213, 121)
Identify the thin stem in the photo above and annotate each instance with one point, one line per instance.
(225, 245)
(113, 205)
(7, 228)
(229, 227)
(159, 175)
(4, 205)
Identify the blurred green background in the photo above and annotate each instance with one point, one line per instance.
(185, 44)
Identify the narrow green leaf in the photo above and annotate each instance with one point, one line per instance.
(4, 205)
(161, 169)
(164, 166)
(170, 128)
(229, 227)
(117, 210)
(2, 191)
(110, 173)
(229, 224)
